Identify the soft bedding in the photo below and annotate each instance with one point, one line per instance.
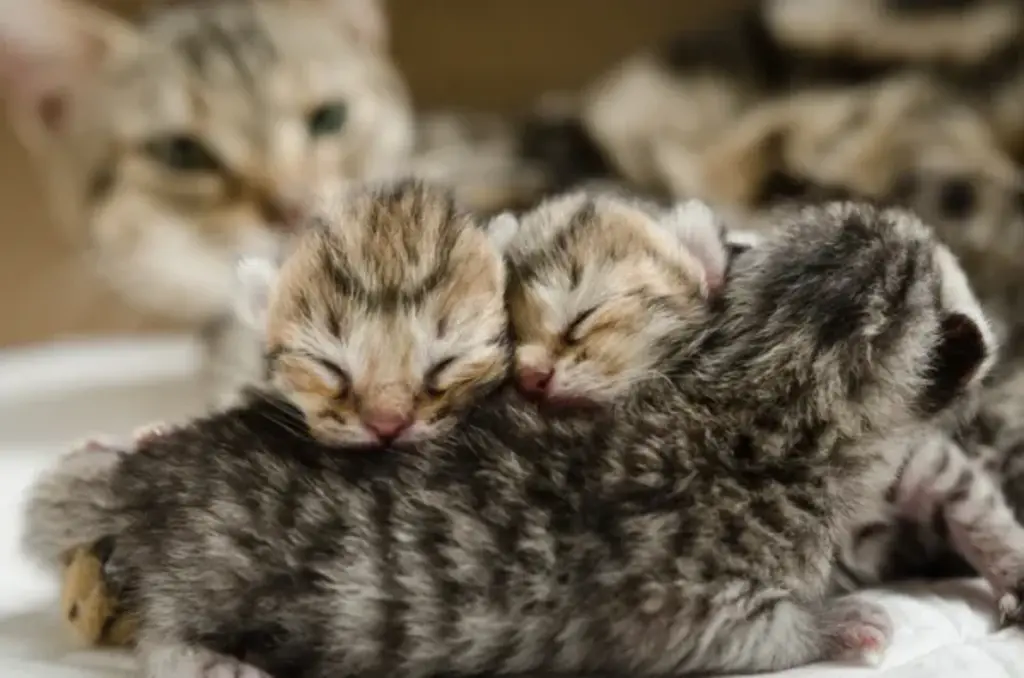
(54, 395)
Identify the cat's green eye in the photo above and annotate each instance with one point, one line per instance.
(327, 119)
(182, 153)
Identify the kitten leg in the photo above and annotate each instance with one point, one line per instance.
(786, 634)
(982, 528)
(191, 661)
(856, 629)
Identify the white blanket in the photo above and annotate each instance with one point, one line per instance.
(52, 396)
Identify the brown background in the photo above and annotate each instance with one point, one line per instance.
(496, 54)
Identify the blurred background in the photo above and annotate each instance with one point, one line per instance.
(482, 54)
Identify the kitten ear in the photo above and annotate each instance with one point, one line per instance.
(967, 346)
(699, 230)
(48, 49)
(256, 277)
(958, 359)
(501, 229)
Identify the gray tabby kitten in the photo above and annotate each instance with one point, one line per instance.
(688, 530)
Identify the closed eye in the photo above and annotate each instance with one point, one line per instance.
(571, 335)
(431, 382)
(344, 380)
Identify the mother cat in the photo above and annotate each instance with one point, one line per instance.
(690, 530)
(172, 146)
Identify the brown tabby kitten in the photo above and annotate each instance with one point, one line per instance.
(174, 146)
(598, 289)
(605, 262)
(387, 319)
(688, 531)
(365, 369)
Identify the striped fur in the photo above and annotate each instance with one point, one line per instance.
(654, 538)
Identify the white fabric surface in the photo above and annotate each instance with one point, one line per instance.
(54, 395)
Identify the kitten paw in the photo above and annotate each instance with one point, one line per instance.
(1011, 607)
(226, 667)
(92, 613)
(858, 629)
(189, 661)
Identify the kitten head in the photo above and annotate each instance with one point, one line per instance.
(864, 305)
(174, 145)
(601, 289)
(387, 318)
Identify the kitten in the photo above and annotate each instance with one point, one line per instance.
(687, 531)
(387, 319)
(596, 257)
(173, 146)
(599, 289)
(365, 368)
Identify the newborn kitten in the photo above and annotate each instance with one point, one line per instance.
(687, 531)
(599, 289)
(605, 256)
(387, 319)
(173, 146)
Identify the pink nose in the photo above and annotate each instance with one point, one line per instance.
(387, 425)
(535, 381)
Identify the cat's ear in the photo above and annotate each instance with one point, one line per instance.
(501, 229)
(700, 231)
(256, 277)
(49, 50)
(365, 19)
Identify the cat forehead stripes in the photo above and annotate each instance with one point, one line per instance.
(220, 40)
(391, 245)
(577, 230)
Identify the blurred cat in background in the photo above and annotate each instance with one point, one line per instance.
(173, 146)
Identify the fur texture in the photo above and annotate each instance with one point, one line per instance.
(570, 253)
(388, 318)
(599, 288)
(172, 147)
(655, 538)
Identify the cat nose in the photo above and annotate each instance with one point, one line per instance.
(387, 425)
(535, 381)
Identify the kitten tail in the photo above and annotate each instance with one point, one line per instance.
(72, 503)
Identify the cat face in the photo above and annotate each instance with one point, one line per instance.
(386, 320)
(178, 144)
(599, 288)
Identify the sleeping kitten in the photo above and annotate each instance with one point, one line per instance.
(598, 290)
(591, 273)
(365, 370)
(386, 320)
(687, 531)
(173, 146)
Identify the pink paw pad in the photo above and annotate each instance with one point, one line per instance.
(859, 630)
